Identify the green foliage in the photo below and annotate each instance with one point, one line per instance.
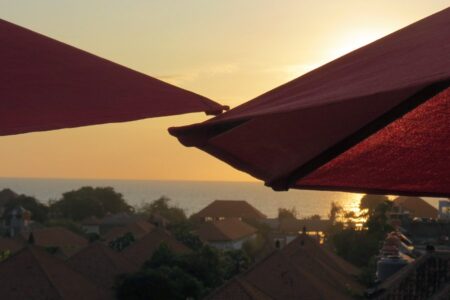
(335, 212)
(234, 262)
(39, 211)
(205, 265)
(163, 208)
(162, 256)
(360, 246)
(4, 254)
(122, 242)
(356, 246)
(68, 224)
(253, 247)
(197, 273)
(6, 195)
(88, 201)
(369, 203)
(52, 249)
(368, 273)
(285, 213)
(92, 237)
(159, 284)
(314, 217)
(377, 221)
(183, 233)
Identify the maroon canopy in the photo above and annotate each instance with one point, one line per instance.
(293, 135)
(45, 84)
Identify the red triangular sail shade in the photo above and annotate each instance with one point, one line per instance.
(289, 132)
(46, 84)
(410, 154)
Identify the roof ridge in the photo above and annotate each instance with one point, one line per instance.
(40, 266)
(241, 281)
(219, 230)
(311, 279)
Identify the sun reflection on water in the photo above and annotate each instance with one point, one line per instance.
(350, 203)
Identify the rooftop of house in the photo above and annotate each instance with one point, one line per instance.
(238, 289)
(417, 207)
(67, 241)
(138, 228)
(225, 230)
(142, 250)
(100, 264)
(230, 209)
(406, 278)
(302, 270)
(31, 273)
(11, 244)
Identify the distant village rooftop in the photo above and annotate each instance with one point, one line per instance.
(221, 209)
(143, 249)
(416, 207)
(225, 230)
(65, 240)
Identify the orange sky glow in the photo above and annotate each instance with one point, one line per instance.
(230, 51)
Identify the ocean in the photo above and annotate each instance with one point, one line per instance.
(194, 195)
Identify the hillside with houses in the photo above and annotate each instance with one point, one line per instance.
(91, 244)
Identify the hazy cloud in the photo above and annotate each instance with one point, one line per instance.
(206, 71)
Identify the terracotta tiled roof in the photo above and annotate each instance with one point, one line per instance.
(100, 264)
(230, 209)
(225, 230)
(417, 207)
(302, 270)
(138, 228)
(238, 289)
(33, 274)
(142, 250)
(67, 241)
(331, 270)
(13, 245)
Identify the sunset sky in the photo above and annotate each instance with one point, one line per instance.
(228, 50)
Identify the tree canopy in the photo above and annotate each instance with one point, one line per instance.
(163, 208)
(89, 201)
(39, 211)
(286, 213)
(360, 246)
(370, 202)
(191, 275)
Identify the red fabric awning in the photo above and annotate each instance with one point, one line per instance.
(46, 84)
(312, 132)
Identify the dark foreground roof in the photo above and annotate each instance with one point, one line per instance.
(33, 274)
(100, 264)
(142, 250)
(9, 244)
(302, 270)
